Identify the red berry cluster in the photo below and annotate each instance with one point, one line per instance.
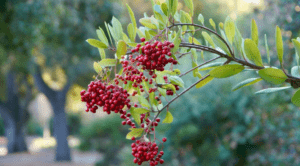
(154, 56)
(148, 122)
(110, 97)
(146, 151)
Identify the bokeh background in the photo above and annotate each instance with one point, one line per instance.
(45, 62)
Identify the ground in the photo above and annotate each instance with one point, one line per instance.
(43, 154)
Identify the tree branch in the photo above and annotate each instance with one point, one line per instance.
(40, 83)
(199, 66)
(178, 97)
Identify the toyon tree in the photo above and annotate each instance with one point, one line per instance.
(143, 79)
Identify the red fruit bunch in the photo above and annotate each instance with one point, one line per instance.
(154, 56)
(110, 97)
(146, 151)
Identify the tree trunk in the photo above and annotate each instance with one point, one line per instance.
(13, 133)
(61, 134)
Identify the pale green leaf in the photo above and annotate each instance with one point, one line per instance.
(141, 110)
(131, 32)
(252, 52)
(267, 49)
(220, 44)
(229, 29)
(275, 76)
(152, 99)
(296, 98)
(101, 35)
(201, 18)
(194, 40)
(169, 118)
(131, 16)
(117, 26)
(204, 82)
(254, 32)
(102, 53)
(96, 43)
(208, 39)
(143, 101)
(147, 23)
(279, 44)
(247, 82)
(97, 67)
(176, 81)
(212, 23)
(271, 90)
(107, 62)
(164, 8)
(135, 132)
(210, 66)
(121, 49)
(226, 70)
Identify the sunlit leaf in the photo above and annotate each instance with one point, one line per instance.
(212, 23)
(254, 32)
(190, 5)
(169, 118)
(96, 43)
(102, 53)
(229, 29)
(204, 82)
(252, 52)
(107, 62)
(97, 67)
(143, 101)
(201, 18)
(121, 49)
(296, 98)
(147, 23)
(176, 81)
(208, 39)
(131, 16)
(275, 76)
(226, 70)
(135, 132)
(279, 44)
(101, 35)
(267, 49)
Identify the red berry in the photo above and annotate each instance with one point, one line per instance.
(143, 39)
(164, 139)
(133, 138)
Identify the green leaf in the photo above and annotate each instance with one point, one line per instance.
(125, 38)
(147, 34)
(295, 71)
(297, 46)
(176, 42)
(107, 62)
(183, 20)
(221, 25)
(162, 91)
(190, 5)
(247, 82)
(169, 118)
(164, 8)
(152, 99)
(212, 23)
(141, 110)
(147, 23)
(96, 43)
(176, 81)
(135, 115)
(271, 90)
(113, 33)
(108, 32)
(275, 76)
(131, 16)
(97, 67)
(221, 44)
(204, 82)
(121, 49)
(117, 26)
(296, 98)
(132, 44)
(252, 52)
(254, 32)
(131, 32)
(229, 29)
(101, 35)
(174, 5)
(210, 66)
(143, 101)
(194, 40)
(279, 44)
(102, 53)
(169, 87)
(267, 49)
(201, 18)
(226, 70)
(135, 132)
(208, 38)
